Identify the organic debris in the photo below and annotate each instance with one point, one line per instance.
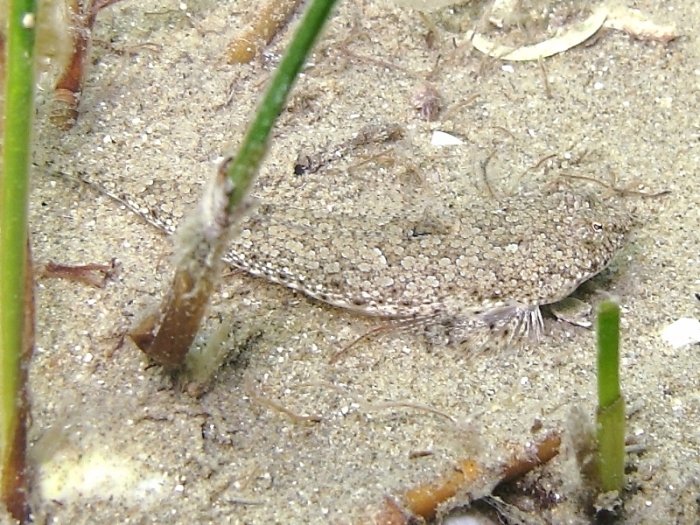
(469, 476)
(574, 36)
(70, 86)
(267, 21)
(93, 274)
(630, 21)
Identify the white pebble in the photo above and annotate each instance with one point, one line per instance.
(684, 331)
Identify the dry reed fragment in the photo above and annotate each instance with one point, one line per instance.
(261, 30)
(421, 502)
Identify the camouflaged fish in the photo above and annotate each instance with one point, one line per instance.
(490, 265)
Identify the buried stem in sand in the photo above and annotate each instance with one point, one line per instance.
(167, 336)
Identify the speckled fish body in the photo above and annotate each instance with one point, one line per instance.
(487, 263)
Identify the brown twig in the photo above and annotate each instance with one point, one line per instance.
(421, 503)
(535, 455)
(267, 21)
(424, 499)
(95, 275)
(70, 86)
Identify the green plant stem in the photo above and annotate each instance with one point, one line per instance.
(242, 171)
(200, 242)
(611, 405)
(608, 353)
(15, 323)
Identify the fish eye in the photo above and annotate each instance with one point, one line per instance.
(597, 227)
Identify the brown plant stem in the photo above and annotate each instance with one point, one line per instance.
(421, 502)
(70, 86)
(201, 241)
(167, 335)
(261, 30)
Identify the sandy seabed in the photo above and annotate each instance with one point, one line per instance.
(116, 442)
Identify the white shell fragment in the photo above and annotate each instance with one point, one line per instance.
(440, 138)
(635, 23)
(572, 37)
(684, 331)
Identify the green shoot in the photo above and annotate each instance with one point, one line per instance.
(610, 417)
(16, 320)
(202, 239)
(242, 171)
